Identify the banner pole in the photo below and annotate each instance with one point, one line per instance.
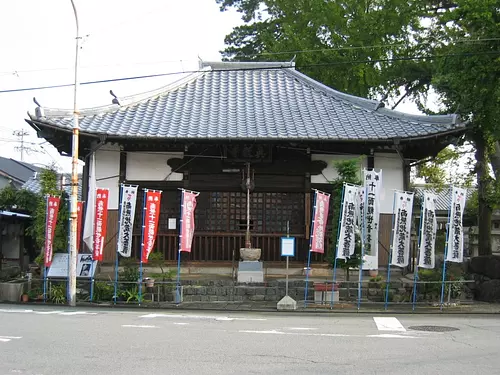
(69, 250)
(419, 241)
(178, 284)
(363, 234)
(92, 279)
(446, 250)
(336, 249)
(310, 247)
(390, 253)
(117, 255)
(139, 282)
(45, 250)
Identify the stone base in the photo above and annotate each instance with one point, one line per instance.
(287, 303)
(250, 272)
(250, 254)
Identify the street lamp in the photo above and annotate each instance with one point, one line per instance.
(74, 178)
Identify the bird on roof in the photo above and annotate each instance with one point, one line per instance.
(36, 102)
(115, 98)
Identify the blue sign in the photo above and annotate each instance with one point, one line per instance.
(287, 246)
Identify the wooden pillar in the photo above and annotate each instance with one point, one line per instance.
(122, 175)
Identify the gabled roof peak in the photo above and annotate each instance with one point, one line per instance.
(251, 65)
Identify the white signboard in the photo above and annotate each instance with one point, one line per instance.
(403, 208)
(287, 246)
(59, 267)
(455, 241)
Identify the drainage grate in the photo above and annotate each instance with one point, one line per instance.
(433, 328)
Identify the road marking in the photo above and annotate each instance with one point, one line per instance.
(388, 324)
(393, 336)
(301, 329)
(77, 313)
(206, 317)
(47, 312)
(275, 332)
(8, 338)
(181, 324)
(137, 326)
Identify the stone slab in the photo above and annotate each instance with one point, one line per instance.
(254, 266)
(250, 276)
(287, 303)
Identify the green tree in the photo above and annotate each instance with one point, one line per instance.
(397, 49)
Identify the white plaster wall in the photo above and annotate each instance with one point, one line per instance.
(151, 167)
(392, 178)
(107, 161)
(330, 172)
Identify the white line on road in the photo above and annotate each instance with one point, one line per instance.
(8, 338)
(388, 324)
(77, 313)
(181, 324)
(275, 332)
(301, 329)
(137, 326)
(207, 317)
(393, 336)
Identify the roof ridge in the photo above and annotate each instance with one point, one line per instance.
(374, 105)
(127, 101)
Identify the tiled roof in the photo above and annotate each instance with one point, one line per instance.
(443, 196)
(33, 184)
(17, 170)
(250, 101)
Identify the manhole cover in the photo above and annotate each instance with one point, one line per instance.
(433, 328)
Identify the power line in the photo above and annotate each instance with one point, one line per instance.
(346, 48)
(371, 61)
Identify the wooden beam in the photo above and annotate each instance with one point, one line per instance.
(123, 167)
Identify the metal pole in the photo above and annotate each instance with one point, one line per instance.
(446, 249)
(363, 235)
(336, 250)
(310, 247)
(390, 254)
(419, 241)
(287, 236)
(178, 286)
(248, 243)
(117, 255)
(74, 176)
(45, 250)
(139, 282)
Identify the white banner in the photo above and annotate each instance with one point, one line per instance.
(127, 214)
(455, 240)
(373, 185)
(347, 234)
(428, 229)
(403, 208)
(88, 228)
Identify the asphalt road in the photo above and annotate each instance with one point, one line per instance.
(64, 341)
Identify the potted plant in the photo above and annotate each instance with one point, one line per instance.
(25, 297)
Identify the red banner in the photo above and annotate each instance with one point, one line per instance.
(319, 222)
(100, 222)
(151, 219)
(187, 226)
(50, 227)
(79, 210)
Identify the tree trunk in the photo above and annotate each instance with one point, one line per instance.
(484, 210)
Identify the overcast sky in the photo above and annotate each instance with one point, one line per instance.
(122, 38)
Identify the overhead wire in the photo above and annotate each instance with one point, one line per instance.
(370, 61)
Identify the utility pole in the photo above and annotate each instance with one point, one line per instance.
(21, 134)
(74, 177)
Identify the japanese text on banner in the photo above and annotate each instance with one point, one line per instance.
(455, 240)
(428, 230)
(50, 228)
(403, 209)
(100, 222)
(373, 184)
(347, 231)
(127, 215)
(319, 224)
(151, 219)
(187, 227)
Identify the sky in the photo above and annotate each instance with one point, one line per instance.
(120, 38)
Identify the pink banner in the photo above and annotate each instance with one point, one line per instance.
(151, 219)
(319, 222)
(50, 227)
(187, 227)
(100, 222)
